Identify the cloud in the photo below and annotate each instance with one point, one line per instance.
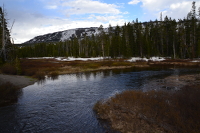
(51, 7)
(172, 8)
(89, 6)
(178, 10)
(105, 18)
(28, 25)
(134, 2)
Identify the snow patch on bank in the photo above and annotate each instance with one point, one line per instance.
(134, 59)
(71, 58)
(195, 61)
(81, 59)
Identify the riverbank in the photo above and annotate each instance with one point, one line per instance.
(19, 81)
(10, 86)
(52, 66)
(155, 109)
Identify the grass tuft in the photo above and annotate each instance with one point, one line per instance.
(39, 75)
(53, 75)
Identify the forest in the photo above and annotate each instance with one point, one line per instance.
(166, 37)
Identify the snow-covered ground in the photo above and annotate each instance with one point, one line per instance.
(82, 59)
(41, 58)
(133, 59)
(195, 61)
(71, 58)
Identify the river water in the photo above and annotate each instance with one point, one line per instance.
(64, 105)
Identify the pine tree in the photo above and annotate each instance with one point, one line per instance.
(193, 28)
(101, 37)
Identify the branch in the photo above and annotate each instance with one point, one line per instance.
(12, 26)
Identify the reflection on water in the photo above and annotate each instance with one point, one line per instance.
(65, 104)
(42, 81)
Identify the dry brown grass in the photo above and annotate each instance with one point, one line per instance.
(175, 62)
(38, 68)
(30, 67)
(153, 111)
(9, 68)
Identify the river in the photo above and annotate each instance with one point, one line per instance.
(64, 105)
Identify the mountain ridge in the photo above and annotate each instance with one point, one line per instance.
(65, 35)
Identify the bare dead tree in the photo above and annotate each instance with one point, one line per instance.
(5, 49)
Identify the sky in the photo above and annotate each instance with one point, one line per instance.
(38, 17)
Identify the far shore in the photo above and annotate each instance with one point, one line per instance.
(34, 69)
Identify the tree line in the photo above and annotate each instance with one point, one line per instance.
(165, 37)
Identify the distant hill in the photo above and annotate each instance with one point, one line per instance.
(62, 36)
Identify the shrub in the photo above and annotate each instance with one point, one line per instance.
(53, 75)
(29, 72)
(9, 69)
(18, 66)
(39, 75)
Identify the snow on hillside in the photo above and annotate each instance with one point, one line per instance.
(62, 36)
(67, 34)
